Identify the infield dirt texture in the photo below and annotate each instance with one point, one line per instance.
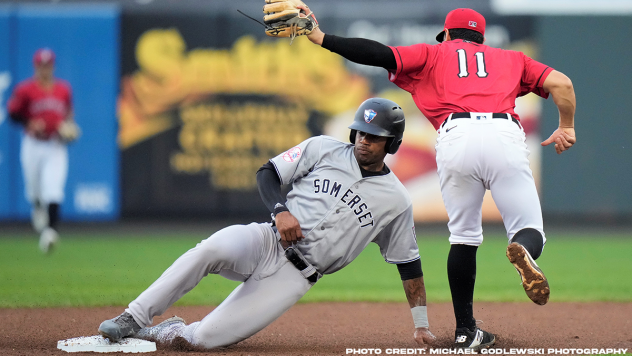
(591, 298)
(332, 328)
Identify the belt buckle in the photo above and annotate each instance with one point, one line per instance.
(480, 116)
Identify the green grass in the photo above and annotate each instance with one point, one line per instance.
(586, 268)
(98, 270)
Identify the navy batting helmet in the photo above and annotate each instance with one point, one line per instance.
(380, 117)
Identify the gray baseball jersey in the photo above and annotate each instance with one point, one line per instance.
(340, 212)
(346, 211)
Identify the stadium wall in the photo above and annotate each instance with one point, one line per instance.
(85, 39)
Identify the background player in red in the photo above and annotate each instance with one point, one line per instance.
(41, 104)
(467, 90)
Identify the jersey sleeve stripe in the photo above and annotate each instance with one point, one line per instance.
(537, 84)
(277, 171)
(400, 262)
(401, 63)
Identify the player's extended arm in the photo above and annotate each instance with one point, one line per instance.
(16, 106)
(561, 89)
(269, 186)
(358, 50)
(70, 116)
(413, 281)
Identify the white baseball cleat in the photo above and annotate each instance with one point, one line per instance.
(48, 239)
(164, 332)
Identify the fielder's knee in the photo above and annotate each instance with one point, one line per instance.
(531, 239)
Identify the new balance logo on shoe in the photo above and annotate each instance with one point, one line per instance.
(478, 339)
(473, 339)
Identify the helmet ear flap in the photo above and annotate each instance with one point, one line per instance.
(392, 145)
(352, 136)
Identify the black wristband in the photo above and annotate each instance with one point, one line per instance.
(279, 208)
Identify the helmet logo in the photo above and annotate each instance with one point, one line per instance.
(369, 115)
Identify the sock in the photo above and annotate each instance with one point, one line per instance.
(531, 240)
(462, 275)
(53, 215)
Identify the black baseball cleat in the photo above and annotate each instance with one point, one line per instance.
(120, 327)
(533, 280)
(476, 339)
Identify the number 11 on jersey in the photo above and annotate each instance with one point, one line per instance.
(480, 64)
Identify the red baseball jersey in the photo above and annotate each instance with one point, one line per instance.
(32, 101)
(462, 76)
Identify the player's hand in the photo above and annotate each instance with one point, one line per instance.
(317, 35)
(563, 137)
(36, 127)
(424, 337)
(288, 227)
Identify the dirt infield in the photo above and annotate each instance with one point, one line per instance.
(331, 328)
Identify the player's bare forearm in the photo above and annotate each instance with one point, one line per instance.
(416, 295)
(317, 36)
(561, 89)
(415, 292)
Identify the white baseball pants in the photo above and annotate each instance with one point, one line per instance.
(479, 153)
(249, 253)
(45, 168)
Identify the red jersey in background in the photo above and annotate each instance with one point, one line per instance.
(32, 101)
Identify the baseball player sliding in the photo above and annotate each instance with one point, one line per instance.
(43, 105)
(467, 90)
(343, 197)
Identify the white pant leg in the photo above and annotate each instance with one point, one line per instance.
(45, 169)
(233, 252)
(462, 189)
(511, 180)
(251, 307)
(31, 168)
(490, 154)
(54, 172)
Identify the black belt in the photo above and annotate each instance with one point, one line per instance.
(297, 260)
(300, 264)
(467, 115)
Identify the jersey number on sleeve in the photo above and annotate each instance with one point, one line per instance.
(480, 64)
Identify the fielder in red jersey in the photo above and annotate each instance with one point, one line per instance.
(41, 104)
(467, 90)
(42, 107)
(463, 76)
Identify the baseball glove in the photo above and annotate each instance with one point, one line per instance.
(283, 19)
(68, 131)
